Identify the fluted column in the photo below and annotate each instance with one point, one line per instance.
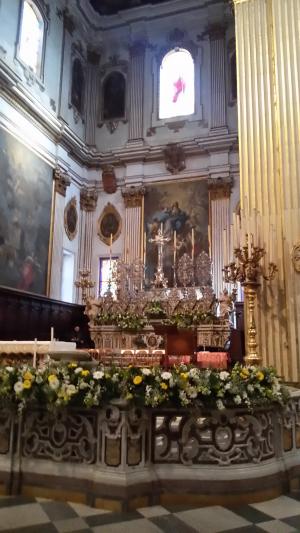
(134, 204)
(91, 97)
(88, 203)
(268, 74)
(61, 182)
(137, 61)
(218, 122)
(219, 197)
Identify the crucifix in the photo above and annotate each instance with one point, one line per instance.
(160, 240)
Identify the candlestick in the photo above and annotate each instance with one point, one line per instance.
(193, 244)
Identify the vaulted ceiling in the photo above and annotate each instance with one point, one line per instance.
(110, 7)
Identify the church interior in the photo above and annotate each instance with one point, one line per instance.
(149, 265)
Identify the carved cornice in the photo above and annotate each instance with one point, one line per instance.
(133, 196)
(219, 187)
(88, 199)
(62, 180)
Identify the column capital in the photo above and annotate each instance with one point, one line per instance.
(88, 199)
(138, 47)
(133, 195)
(216, 31)
(219, 187)
(62, 180)
(93, 57)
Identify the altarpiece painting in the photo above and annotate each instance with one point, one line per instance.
(25, 216)
(180, 207)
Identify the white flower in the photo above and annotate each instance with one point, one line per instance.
(237, 399)
(18, 387)
(146, 371)
(78, 370)
(193, 373)
(9, 368)
(83, 385)
(115, 378)
(166, 375)
(192, 392)
(98, 374)
(223, 375)
(227, 386)
(220, 405)
(71, 389)
(250, 387)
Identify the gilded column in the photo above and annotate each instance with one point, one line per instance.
(134, 203)
(137, 60)
(268, 74)
(93, 59)
(219, 197)
(218, 81)
(61, 182)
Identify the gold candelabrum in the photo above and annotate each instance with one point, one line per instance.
(85, 284)
(248, 271)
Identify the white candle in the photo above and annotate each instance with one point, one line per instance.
(161, 228)
(34, 353)
(52, 334)
(175, 242)
(145, 247)
(193, 244)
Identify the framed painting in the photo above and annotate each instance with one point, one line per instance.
(180, 207)
(25, 216)
(71, 219)
(109, 224)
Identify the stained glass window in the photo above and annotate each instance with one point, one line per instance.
(176, 84)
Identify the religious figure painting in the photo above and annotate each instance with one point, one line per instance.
(25, 216)
(180, 209)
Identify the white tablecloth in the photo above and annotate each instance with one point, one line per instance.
(40, 347)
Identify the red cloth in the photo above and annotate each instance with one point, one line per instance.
(212, 360)
(179, 88)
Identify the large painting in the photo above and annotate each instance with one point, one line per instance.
(25, 216)
(180, 207)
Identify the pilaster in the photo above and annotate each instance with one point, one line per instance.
(88, 203)
(93, 59)
(137, 61)
(134, 207)
(218, 82)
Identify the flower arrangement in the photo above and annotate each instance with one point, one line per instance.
(189, 319)
(181, 386)
(126, 321)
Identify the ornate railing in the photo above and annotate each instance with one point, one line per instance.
(115, 451)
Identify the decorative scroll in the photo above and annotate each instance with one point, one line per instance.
(203, 270)
(6, 427)
(218, 438)
(61, 436)
(290, 422)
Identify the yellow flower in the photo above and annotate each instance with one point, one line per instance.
(85, 373)
(164, 386)
(137, 380)
(244, 373)
(28, 375)
(52, 377)
(26, 384)
(72, 365)
(260, 375)
(184, 375)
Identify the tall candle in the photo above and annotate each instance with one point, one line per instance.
(193, 244)
(52, 334)
(145, 247)
(174, 235)
(161, 227)
(34, 353)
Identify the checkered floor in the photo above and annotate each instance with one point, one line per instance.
(37, 515)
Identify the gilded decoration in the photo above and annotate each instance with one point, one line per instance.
(219, 187)
(62, 180)
(71, 219)
(109, 224)
(88, 199)
(296, 257)
(133, 196)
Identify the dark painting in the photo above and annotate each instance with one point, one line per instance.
(179, 207)
(114, 96)
(25, 216)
